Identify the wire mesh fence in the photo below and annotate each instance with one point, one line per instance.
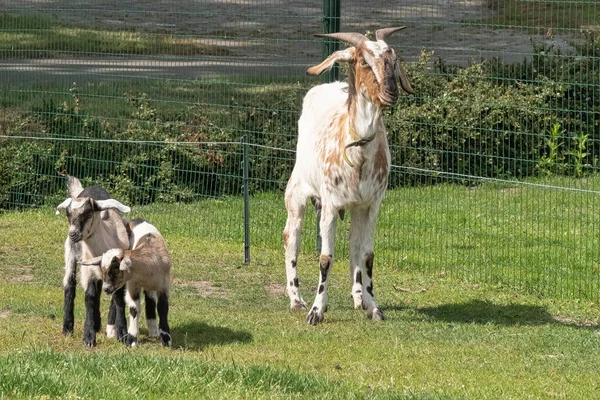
(495, 158)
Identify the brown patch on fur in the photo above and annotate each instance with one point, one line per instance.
(380, 167)
(286, 237)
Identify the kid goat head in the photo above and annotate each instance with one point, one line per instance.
(342, 163)
(81, 213)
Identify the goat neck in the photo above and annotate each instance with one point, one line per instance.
(364, 106)
(107, 233)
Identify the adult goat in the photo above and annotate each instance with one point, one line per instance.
(95, 226)
(343, 162)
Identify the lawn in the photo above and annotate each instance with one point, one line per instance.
(538, 15)
(456, 329)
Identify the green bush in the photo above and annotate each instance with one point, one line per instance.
(470, 123)
(490, 119)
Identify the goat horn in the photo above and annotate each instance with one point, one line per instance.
(353, 38)
(382, 34)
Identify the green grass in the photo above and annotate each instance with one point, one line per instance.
(43, 37)
(461, 322)
(539, 15)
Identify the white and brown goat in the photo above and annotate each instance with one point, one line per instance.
(95, 225)
(343, 162)
(146, 267)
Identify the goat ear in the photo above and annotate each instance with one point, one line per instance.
(125, 264)
(63, 205)
(345, 55)
(92, 261)
(401, 75)
(110, 203)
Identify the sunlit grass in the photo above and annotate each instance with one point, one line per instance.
(40, 37)
(542, 17)
(455, 328)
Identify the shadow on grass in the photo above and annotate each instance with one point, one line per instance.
(484, 312)
(197, 335)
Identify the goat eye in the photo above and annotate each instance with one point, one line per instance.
(363, 63)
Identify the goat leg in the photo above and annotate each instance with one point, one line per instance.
(92, 295)
(163, 324)
(118, 298)
(72, 252)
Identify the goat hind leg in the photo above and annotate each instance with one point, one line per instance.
(296, 206)
(163, 324)
(151, 298)
(368, 257)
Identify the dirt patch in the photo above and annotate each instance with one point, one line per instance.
(4, 314)
(275, 289)
(579, 324)
(20, 274)
(205, 289)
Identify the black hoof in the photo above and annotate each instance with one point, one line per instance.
(376, 315)
(130, 340)
(89, 341)
(165, 338)
(313, 317)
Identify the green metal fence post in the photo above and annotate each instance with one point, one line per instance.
(245, 163)
(331, 24)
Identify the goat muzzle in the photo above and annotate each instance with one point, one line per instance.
(75, 236)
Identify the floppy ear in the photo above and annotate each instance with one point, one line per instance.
(125, 264)
(63, 205)
(345, 55)
(110, 203)
(92, 261)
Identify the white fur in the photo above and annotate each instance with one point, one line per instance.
(140, 230)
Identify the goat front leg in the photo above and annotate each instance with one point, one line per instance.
(120, 319)
(296, 206)
(132, 298)
(328, 224)
(163, 324)
(111, 329)
(359, 218)
(72, 256)
(367, 257)
(92, 287)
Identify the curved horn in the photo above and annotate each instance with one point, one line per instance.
(63, 205)
(382, 34)
(92, 261)
(353, 38)
(111, 203)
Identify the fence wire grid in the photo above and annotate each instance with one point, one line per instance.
(495, 158)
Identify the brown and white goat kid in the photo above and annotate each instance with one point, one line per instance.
(95, 225)
(343, 162)
(147, 267)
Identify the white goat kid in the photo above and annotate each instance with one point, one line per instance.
(342, 162)
(147, 267)
(95, 225)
